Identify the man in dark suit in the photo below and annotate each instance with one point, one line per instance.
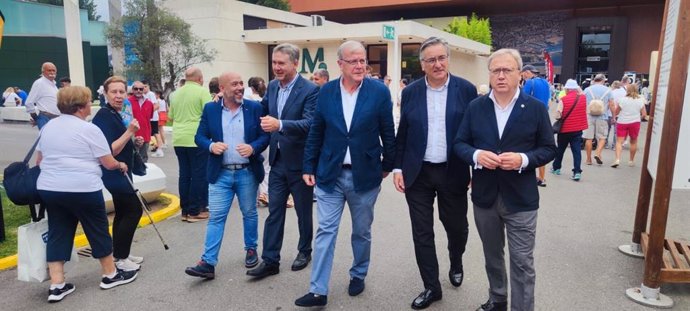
(426, 167)
(288, 105)
(343, 158)
(229, 129)
(506, 135)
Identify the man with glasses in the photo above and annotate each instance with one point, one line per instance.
(142, 109)
(342, 157)
(506, 135)
(426, 167)
(288, 107)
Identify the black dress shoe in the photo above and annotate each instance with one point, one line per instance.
(301, 261)
(456, 276)
(493, 306)
(425, 299)
(263, 270)
(312, 300)
(356, 287)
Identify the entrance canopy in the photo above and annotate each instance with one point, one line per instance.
(369, 33)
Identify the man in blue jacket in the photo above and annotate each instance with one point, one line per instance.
(229, 129)
(538, 88)
(427, 168)
(506, 135)
(342, 157)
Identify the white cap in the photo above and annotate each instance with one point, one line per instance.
(571, 84)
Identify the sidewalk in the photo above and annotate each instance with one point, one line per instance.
(81, 241)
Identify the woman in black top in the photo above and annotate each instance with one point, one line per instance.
(128, 209)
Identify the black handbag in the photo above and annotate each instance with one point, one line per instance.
(20, 181)
(559, 123)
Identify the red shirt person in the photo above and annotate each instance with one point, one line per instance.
(142, 109)
(571, 131)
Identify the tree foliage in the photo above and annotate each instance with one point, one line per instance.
(162, 42)
(276, 4)
(477, 29)
(87, 5)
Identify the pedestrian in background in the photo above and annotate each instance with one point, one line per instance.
(629, 112)
(574, 105)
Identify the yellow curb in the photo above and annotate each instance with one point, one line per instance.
(81, 241)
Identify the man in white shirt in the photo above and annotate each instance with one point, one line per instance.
(42, 101)
(426, 168)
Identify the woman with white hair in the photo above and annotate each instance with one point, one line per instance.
(573, 112)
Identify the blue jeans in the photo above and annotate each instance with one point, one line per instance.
(41, 121)
(574, 139)
(192, 182)
(329, 211)
(230, 183)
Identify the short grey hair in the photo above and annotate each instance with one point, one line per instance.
(512, 52)
(350, 45)
(431, 42)
(289, 49)
(322, 73)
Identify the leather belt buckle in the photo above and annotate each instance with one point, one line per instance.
(234, 167)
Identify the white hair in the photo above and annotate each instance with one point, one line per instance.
(512, 52)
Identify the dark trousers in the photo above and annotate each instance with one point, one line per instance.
(127, 214)
(452, 208)
(574, 139)
(281, 183)
(193, 185)
(65, 209)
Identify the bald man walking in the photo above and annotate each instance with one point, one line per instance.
(42, 101)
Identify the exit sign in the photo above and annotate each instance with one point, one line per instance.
(388, 32)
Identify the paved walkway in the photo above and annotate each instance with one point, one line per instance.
(578, 264)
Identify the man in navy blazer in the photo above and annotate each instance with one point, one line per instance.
(288, 106)
(506, 135)
(427, 167)
(342, 157)
(229, 129)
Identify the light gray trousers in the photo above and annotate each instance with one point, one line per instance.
(493, 224)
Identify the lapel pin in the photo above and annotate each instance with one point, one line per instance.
(522, 106)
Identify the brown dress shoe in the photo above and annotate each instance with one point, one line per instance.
(197, 218)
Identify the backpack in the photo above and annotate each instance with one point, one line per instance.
(596, 105)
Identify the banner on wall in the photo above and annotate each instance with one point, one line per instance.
(548, 65)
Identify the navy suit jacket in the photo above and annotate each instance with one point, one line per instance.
(411, 141)
(528, 131)
(296, 118)
(329, 138)
(211, 130)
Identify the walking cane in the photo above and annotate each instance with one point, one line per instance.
(146, 209)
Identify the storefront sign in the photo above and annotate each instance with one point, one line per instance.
(388, 32)
(309, 64)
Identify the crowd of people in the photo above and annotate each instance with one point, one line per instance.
(291, 142)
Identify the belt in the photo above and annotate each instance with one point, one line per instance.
(48, 114)
(347, 166)
(234, 167)
(434, 164)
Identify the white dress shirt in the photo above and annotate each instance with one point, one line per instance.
(349, 101)
(436, 148)
(502, 116)
(43, 95)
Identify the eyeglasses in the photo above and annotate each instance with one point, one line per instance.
(354, 62)
(505, 71)
(432, 61)
(137, 89)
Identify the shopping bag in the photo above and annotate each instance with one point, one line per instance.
(31, 255)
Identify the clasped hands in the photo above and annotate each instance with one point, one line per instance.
(505, 161)
(245, 150)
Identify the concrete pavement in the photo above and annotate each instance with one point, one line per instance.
(577, 261)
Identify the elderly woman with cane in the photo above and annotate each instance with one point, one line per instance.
(70, 153)
(119, 127)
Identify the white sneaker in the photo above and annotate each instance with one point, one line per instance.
(126, 265)
(158, 154)
(164, 146)
(136, 259)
